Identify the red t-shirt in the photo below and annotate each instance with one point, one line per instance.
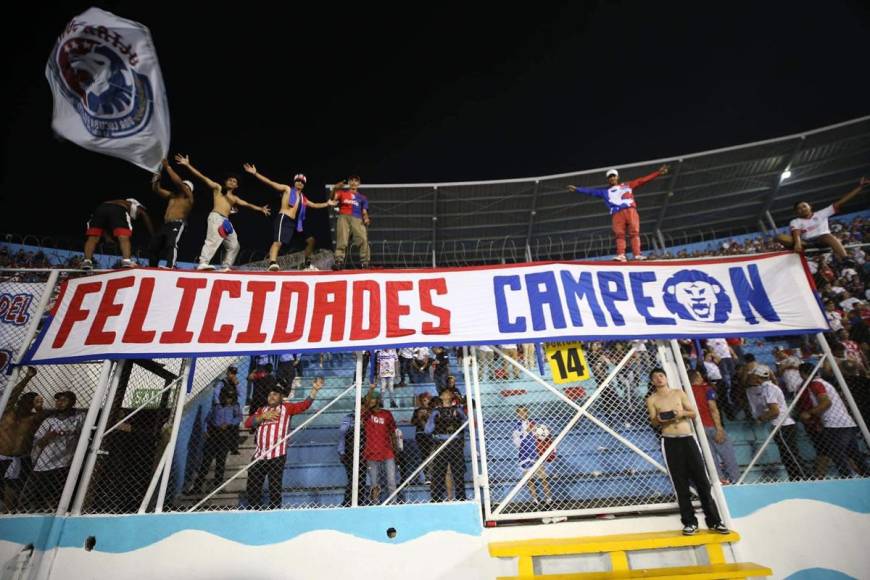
(703, 394)
(350, 203)
(380, 426)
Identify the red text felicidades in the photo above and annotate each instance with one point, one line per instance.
(290, 325)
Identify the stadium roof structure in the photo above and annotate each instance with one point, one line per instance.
(707, 195)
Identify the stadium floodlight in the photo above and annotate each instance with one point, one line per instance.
(785, 175)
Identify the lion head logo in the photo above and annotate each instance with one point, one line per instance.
(694, 295)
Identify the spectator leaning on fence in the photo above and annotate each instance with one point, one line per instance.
(720, 443)
(671, 411)
(272, 423)
(767, 404)
(53, 446)
(19, 423)
(830, 426)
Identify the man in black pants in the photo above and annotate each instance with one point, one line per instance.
(164, 244)
(443, 422)
(670, 410)
(272, 422)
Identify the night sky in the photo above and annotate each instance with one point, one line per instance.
(432, 93)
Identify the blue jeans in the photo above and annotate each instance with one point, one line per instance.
(723, 454)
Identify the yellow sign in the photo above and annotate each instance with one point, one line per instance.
(567, 362)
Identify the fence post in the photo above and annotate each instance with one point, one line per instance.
(472, 429)
(354, 500)
(43, 565)
(93, 452)
(173, 437)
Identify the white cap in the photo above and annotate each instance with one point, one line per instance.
(189, 184)
(612, 172)
(134, 207)
(761, 371)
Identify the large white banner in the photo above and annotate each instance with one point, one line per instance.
(160, 313)
(108, 89)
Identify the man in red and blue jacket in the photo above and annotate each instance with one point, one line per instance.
(619, 198)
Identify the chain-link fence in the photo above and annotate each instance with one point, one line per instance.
(785, 414)
(581, 446)
(182, 435)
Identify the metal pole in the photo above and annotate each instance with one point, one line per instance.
(484, 469)
(82, 446)
(472, 430)
(32, 327)
(181, 395)
(859, 419)
(94, 450)
(357, 413)
(701, 434)
(152, 486)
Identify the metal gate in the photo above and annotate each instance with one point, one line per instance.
(577, 448)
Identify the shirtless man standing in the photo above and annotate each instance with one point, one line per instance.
(164, 244)
(220, 229)
(670, 410)
(292, 215)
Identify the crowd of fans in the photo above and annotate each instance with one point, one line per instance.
(730, 385)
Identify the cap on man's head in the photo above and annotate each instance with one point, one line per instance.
(612, 172)
(300, 177)
(232, 369)
(189, 184)
(760, 371)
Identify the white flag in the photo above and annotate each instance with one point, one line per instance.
(108, 89)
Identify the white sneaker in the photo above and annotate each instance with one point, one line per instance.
(620, 258)
(640, 257)
(128, 263)
(312, 268)
(87, 264)
(205, 267)
(226, 269)
(273, 267)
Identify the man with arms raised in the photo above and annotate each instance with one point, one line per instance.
(292, 215)
(811, 228)
(220, 230)
(164, 243)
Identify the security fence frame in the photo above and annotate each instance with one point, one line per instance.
(184, 381)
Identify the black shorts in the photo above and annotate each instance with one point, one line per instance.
(285, 229)
(111, 217)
